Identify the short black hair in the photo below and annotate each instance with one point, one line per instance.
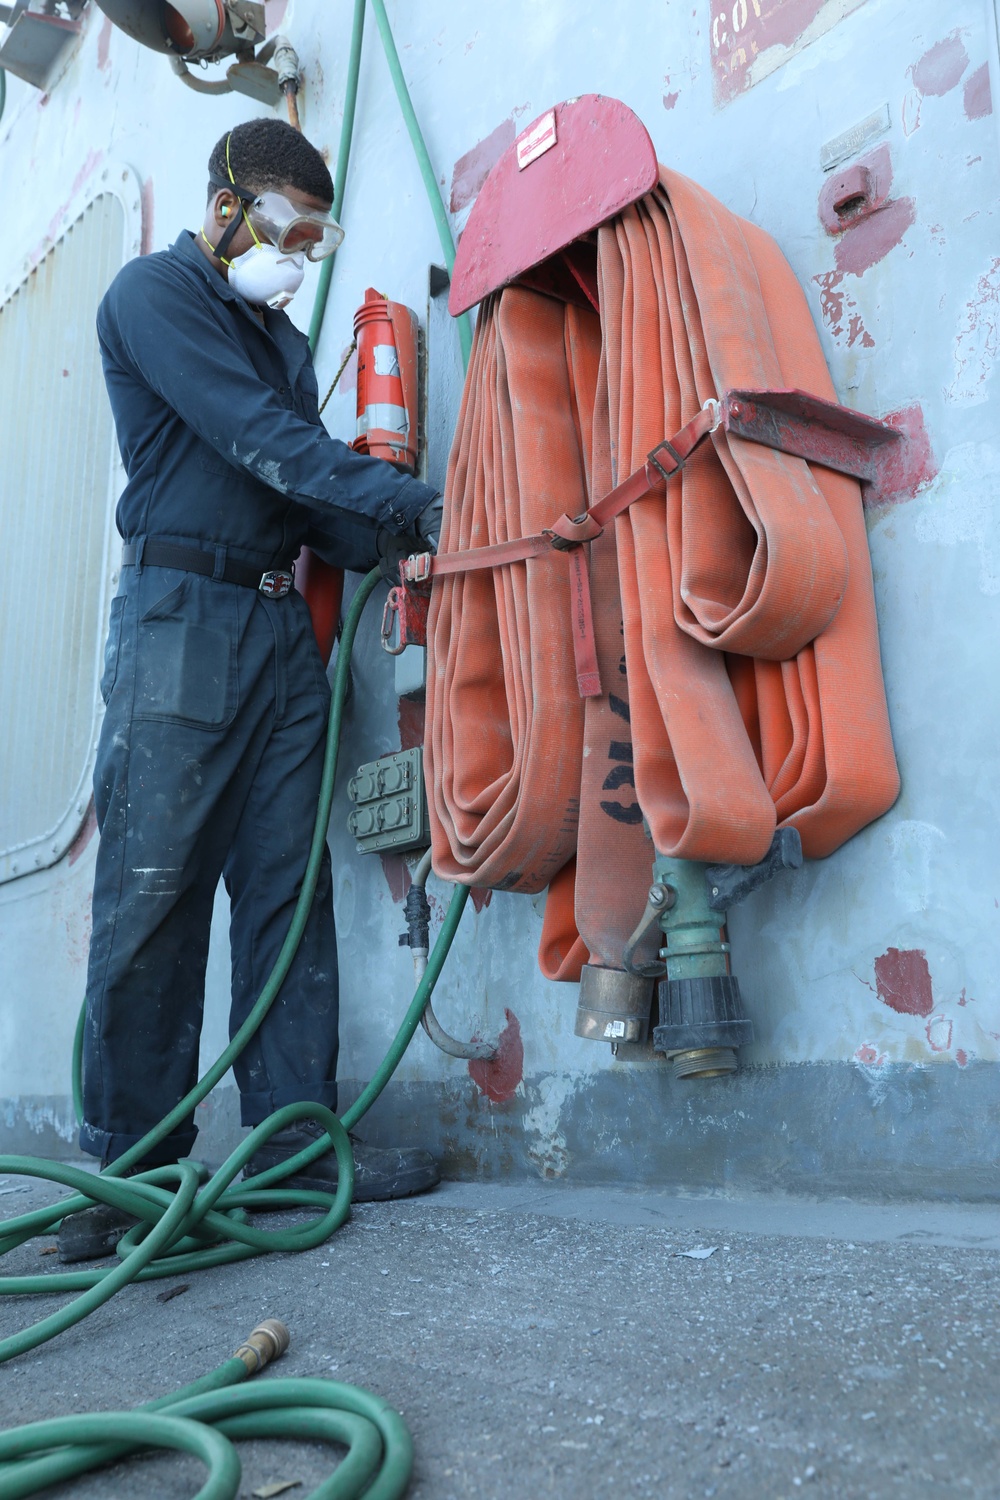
(266, 154)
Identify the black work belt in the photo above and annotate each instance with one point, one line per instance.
(275, 582)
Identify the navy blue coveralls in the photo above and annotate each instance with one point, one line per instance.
(211, 749)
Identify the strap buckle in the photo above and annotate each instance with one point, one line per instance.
(416, 569)
(276, 583)
(667, 447)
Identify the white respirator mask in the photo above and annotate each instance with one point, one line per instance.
(266, 274)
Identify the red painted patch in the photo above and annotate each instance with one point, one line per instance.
(903, 981)
(481, 895)
(908, 467)
(499, 1079)
(669, 100)
(977, 97)
(742, 29)
(397, 876)
(868, 1055)
(472, 169)
(87, 830)
(941, 68)
(104, 45)
(868, 241)
(411, 723)
(962, 1057)
(859, 189)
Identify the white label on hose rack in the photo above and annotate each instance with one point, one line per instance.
(536, 141)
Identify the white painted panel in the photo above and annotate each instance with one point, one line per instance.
(56, 502)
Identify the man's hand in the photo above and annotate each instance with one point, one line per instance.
(393, 549)
(428, 523)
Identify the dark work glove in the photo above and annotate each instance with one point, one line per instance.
(428, 524)
(393, 549)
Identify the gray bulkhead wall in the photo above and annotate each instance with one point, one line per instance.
(870, 976)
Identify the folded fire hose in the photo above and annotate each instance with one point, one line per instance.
(733, 610)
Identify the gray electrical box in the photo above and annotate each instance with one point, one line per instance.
(390, 806)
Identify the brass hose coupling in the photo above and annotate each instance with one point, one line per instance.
(268, 1341)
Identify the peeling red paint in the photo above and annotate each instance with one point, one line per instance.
(867, 242)
(912, 101)
(868, 1055)
(481, 895)
(976, 344)
(941, 67)
(977, 96)
(397, 875)
(104, 45)
(907, 467)
(962, 1057)
(939, 1030)
(93, 161)
(87, 828)
(411, 723)
(147, 199)
(472, 169)
(499, 1078)
(903, 981)
(669, 100)
(838, 310)
(741, 30)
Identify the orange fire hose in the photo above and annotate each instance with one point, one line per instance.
(733, 608)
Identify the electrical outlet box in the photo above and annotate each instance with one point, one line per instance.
(390, 806)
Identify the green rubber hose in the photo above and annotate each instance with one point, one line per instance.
(340, 172)
(202, 1417)
(423, 162)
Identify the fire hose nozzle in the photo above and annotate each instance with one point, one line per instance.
(268, 1341)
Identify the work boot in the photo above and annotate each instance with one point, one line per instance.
(378, 1174)
(94, 1233)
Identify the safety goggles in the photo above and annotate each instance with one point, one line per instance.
(295, 231)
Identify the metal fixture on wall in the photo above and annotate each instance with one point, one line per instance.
(41, 38)
(206, 31)
(702, 1022)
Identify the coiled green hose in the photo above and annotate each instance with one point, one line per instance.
(200, 1418)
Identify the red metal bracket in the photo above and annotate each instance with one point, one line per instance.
(577, 166)
(820, 431)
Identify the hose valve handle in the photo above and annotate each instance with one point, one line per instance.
(268, 1341)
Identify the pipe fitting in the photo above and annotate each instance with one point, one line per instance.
(268, 1341)
(702, 1021)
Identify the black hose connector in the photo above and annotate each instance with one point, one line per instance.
(700, 1013)
(417, 911)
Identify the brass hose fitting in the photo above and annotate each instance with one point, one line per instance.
(268, 1341)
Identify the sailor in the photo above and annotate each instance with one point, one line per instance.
(211, 750)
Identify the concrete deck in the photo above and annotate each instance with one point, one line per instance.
(549, 1341)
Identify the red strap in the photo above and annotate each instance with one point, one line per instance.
(568, 533)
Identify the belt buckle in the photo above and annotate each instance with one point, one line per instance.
(276, 583)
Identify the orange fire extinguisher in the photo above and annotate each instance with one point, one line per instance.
(387, 380)
(386, 334)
